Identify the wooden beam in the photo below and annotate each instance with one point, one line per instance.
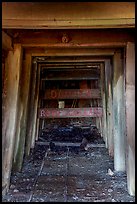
(6, 42)
(65, 24)
(68, 15)
(12, 68)
(23, 102)
(31, 107)
(130, 117)
(113, 44)
(72, 94)
(70, 112)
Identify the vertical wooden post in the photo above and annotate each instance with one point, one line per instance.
(103, 119)
(22, 120)
(105, 102)
(34, 131)
(130, 116)
(31, 107)
(119, 112)
(12, 68)
(109, 108)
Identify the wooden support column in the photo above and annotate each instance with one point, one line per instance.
(109, 110)
(119, 112)
(22, 113)
(31, 106)
(130, 116)
(103, 119)
(34, 131)
(12, 69)
(105, 104)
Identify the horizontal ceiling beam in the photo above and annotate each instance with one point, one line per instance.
(54, 15)
(68, 24)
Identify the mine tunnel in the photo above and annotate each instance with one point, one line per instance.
(67, 109)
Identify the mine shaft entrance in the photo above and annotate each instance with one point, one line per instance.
(70, 101)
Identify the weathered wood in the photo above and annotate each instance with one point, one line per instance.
(6, 41)
(31, 106)
(72, 94)
(76, 45)
(68, 15)
(109, 112)
(119, 113)
(23, 101)
(12, 68)
(130, 116)
(36, 98)
(70, 112)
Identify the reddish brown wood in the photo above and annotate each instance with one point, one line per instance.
(70, 112)
(72, 94)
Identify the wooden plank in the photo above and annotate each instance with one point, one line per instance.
(70, 112)
(72, 94)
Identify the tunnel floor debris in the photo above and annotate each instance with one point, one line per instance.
(68, 174)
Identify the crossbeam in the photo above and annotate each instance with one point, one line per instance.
(72, 94)
(70, 112)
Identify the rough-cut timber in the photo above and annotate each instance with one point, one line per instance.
(109, 114)
(130, 116)
(12, 68)
(70, 112)
(22, 122)
(31, 106)
(72, 94)
(119, 113)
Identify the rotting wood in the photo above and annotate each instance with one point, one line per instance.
(12, 66)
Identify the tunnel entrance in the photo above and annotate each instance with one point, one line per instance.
(70, 101)
(70, 106)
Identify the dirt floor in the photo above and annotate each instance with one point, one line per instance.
(68, 164)
(68, 174)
